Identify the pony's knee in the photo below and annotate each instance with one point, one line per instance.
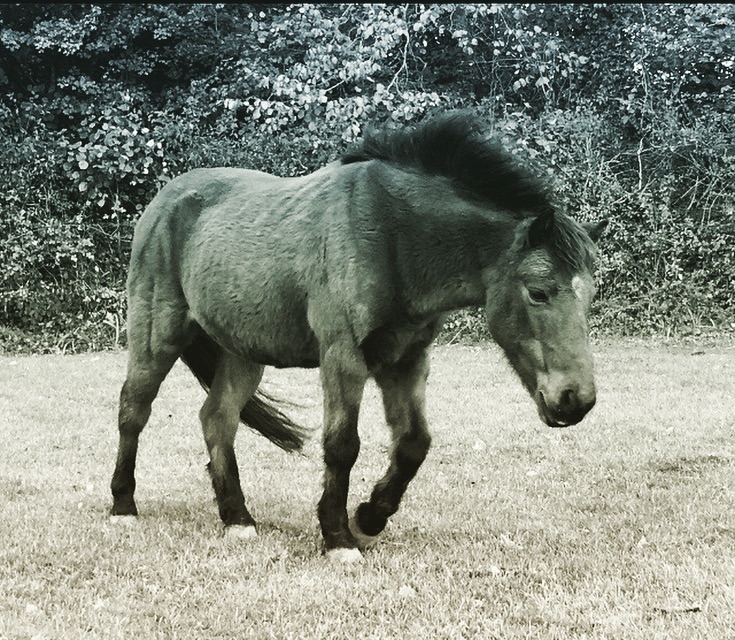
(411, 450)
(341, 448)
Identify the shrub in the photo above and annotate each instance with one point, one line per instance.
(628, 109)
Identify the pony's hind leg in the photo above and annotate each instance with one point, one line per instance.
(138, 392)
(234, 383)
(156, 338)
(403, 387)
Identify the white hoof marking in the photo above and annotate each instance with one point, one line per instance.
(345, 556)
(124, 521)
(240, 532)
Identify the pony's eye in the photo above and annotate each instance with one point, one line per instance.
(539, 296)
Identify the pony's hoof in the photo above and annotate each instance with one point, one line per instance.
(124, 521)
(240, 532)
(364, 541)
(345, 556)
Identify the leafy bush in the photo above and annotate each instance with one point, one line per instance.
(628, 108)
(111, 150)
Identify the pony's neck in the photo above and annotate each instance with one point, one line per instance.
(443, 244)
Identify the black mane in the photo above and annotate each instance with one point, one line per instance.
(456, 145)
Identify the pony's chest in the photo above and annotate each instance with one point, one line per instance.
(392, 343)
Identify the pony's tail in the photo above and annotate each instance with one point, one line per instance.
(259, 413)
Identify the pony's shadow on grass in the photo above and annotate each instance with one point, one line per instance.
(168, 514)
(689, 465)
(397, 539)
(175, 522)
(195, 519)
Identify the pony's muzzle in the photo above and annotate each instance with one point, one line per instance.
(566, 406)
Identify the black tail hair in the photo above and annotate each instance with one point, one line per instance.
(259, 413)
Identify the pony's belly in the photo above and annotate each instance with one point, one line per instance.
(278, 344)
(282, 359)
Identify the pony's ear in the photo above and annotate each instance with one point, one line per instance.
(540, 230)
(594, 229)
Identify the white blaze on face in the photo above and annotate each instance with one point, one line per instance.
(579, 287)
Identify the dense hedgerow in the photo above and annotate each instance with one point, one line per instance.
(628, 108)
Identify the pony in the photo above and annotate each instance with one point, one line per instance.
(352, 269)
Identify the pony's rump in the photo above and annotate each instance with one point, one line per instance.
(260, 414)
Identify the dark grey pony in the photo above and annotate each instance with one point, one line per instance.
(351, 269)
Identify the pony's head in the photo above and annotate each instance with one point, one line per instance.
(537, 308)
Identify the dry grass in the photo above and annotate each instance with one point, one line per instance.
(621, 527)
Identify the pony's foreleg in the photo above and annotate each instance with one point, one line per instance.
(343, 377)
(403, 387)
(235, 381)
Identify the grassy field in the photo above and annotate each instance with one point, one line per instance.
(620, 527)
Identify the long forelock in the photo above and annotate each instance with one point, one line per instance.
(571, 245)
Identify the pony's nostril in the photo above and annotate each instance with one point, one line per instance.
(567, 406)
(575, 402)
(568, 400)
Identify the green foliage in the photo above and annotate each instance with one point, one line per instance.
(629, 108)
(111, 149)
